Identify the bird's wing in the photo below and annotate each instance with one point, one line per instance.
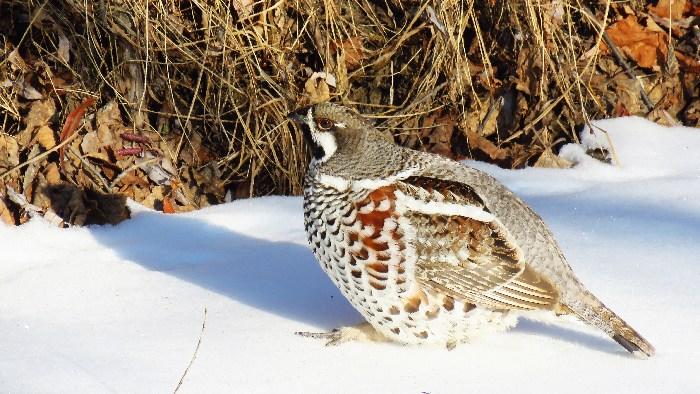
(465, 251)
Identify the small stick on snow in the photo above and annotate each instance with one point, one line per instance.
(194, 355)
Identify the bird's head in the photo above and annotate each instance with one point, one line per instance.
(328, 127)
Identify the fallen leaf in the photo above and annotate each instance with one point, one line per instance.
(352, 50)
(160, 171)
(549, 160)
(155, 195)
(168, 205)
(5, 214)
(90, 143)
(52, 174)
(63, 48)
(243, 7)
(476, 141)
(72, 122)
(39, 115)
(646, 47)
(30, 93)
(669, 8)
(44, 135)
(9, 151)
(109, 123)
(317, 88)
(16, 60)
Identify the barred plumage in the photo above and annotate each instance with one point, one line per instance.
(428, 250)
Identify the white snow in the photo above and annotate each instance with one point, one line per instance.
(120, 309)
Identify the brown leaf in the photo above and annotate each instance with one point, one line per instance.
(109, 123)
(243, 7)
(72, 122)
(669, 8)
(9, 151)
(39, 115)
(90, 143)
(168, 205)
(5, 214)
(549, 160)
(647, 48)
(44, 135)
(51, 174)
(353, 51)
(476, 141)
(155, 195)
(687, 63)
(317, 88)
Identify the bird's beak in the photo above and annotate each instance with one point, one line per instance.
(299, 115)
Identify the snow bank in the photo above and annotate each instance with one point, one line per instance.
(120, 309)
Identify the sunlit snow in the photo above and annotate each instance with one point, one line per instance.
(120, 309)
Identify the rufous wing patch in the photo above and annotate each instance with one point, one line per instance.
(377, 217)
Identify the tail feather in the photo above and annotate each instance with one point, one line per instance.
(595, 313)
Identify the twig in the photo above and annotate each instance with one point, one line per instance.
(613, 152)
(194, 355)
(619, 57)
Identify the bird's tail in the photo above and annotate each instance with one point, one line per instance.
(594, 312)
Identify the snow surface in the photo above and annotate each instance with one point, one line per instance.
(120, 309)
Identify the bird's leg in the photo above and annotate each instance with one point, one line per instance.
(363, 332)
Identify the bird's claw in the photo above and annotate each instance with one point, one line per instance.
(337, 336)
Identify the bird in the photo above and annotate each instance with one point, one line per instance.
(429, 250)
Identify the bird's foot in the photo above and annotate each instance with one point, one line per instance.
(362, 332)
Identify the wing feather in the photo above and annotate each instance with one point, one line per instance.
(468, 253)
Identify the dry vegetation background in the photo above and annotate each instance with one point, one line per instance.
(179, 104)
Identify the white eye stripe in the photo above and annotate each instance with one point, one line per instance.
(324, 140)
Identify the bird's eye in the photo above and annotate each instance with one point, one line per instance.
(324, 123)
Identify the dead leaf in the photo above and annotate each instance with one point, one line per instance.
(168, 205)
(90, 143)
(9, 151)
(39, 115)
(63, 48)
(160, 171)
(669, 8)
(155, 195)
(549, 160)
(317, 88)
(17, 62)
(30, 93)
(647, 48)
(109, 123)
(243, 7)
(44, 135)
(5, 214)
(72, 122)
(51, 174)
(476, 141)
(352, 50)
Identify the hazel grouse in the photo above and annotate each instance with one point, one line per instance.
(429, 250)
